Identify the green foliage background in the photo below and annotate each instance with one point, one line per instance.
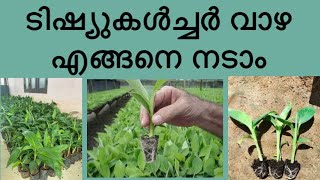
(97, 99)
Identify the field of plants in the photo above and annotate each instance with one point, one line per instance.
(41, 139)
(182, 152)
(98, 99)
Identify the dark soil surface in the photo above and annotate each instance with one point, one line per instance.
(291, 170)
(276, 168)
(258, 95)
(260, 168)
(98, 125)
(149, 146)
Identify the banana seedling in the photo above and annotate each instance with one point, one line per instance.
(260, 165)
(139, 92)
(277, 166)
(292, 167)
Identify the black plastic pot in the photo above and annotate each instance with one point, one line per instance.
(72, 158)
(67, 162)
(44, 174)
(149, 146)
(260, 168)
(51, 173)
(24, 173)
(80, 155)
(291, 170)
(276, 168)
(35, 176)
(76, 157)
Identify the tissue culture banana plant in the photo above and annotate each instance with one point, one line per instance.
(139, 92)
(38, 136)
(277, 166)
(259, 166)
(292, 167)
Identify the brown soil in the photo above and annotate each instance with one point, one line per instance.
(258, 95)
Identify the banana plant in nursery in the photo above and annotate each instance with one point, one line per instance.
(20, 115)
(139, 92)
(260, 165)
(35, 154)
(277, 165)
(292, 167)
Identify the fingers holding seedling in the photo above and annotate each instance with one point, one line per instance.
(144, 117)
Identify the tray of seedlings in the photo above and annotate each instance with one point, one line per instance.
(125, 149)
(40, 138)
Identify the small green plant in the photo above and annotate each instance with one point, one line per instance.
(279, 126)
(303, 115)
(139, 92)
(146, 99)
(260, 167)
(277, 166)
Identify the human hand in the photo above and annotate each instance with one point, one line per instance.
(176, 107)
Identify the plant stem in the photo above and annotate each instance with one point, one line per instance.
(151, 111)
(278, 146)
(294, 142)
(254, 137)
(151, 125)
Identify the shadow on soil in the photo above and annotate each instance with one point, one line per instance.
(262, 129)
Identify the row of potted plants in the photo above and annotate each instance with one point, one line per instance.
(97, 99)
(40, 138)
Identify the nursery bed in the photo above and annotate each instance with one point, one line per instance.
(97, 100)
(258, 95)
(97, 125)
(38, 135)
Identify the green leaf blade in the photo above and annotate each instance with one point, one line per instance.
(241, 117)
(137, 86)
(284, 114)
(260, 118)
(305, 114)
(119, 169)
(14, 156)
(303, 140)
(158, 85)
